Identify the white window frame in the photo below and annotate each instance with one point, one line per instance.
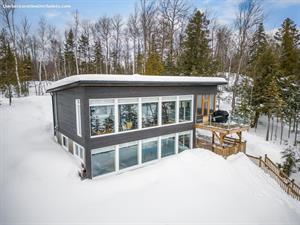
(103, 102)
(187, 98)
(116, 148)
(78, 117)
(139, 101)
(150, 100)
(190, 132)
(143, 141)
(67, 142)
(128, 101)
(81, 149)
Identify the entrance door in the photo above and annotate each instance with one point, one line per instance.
(205, 106)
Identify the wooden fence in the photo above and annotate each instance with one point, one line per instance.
(277, 174)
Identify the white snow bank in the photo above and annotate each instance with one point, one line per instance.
(39, 183)
(135, 78)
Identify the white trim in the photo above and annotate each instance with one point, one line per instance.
(140, 152)
(177, 110)
(140, 115)
(101, 150)
(101, 101)
(67, 142)
(78, 117)
(116, 112)
(80, 149)
(176, 143)
(139, 101)
(140, 164)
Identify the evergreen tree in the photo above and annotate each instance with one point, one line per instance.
(69, 54)
(196, 56)
(288, 38)
(83, 49)
(98, 58)
(7, 67)
(290, 161)
(154, 65)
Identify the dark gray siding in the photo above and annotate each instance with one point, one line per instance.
(66, 113)
(123, 92)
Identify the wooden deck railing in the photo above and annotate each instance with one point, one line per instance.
(277, 174)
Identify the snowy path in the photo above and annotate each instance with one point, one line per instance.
(39, 183)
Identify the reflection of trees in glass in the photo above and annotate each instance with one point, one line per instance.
(184, 142)
(102, 119)
(128, 117)
(185, 110)
(149, 111)
(168, 112)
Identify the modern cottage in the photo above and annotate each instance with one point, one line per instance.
(113, 123)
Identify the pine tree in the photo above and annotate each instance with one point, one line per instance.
(7, 67)
(290, 161)
(69, 54)
(196, 55)
(83, 49)
(98, 58)
(288, 38)
(154, 64)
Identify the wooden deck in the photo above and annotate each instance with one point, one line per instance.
(220, 143)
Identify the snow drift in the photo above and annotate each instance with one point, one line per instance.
(39, 183)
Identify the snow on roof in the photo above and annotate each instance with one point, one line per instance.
(113, 78)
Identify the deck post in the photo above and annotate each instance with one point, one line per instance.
(260, 159)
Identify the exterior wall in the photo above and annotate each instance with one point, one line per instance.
(66, 114)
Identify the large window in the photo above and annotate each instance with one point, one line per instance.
(149, 150)
(184, 142)
(185, 107)
(167, 146)
(128, 155)
(128, 114)
(168, 112)
(103, 161)
(102, 117)
(149, 114)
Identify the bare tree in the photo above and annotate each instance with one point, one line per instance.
(104, 27)
(116, 31)
(134, 32)
(24, 32)
(8, 18)
(76, 32)
(147, 18)
(173, 13)
(250, 14)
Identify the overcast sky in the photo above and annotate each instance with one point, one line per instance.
(223, 10)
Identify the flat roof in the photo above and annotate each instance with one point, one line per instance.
(136, 79)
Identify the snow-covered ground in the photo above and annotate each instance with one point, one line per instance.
(39, 183)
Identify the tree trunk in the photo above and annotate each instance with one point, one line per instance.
(272, 128)
(296, 132)
(276, 128)
(268, 129)
(289, 133)
(281, 130)
(17, 72)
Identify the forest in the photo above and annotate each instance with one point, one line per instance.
(164, 37)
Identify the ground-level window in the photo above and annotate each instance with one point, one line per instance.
(102, 117)
(103, 161)
(78, 150)
(128, 155)
(65, 142)
(167, 146)
(149, 114)
(168, 112)
(128, 114)
(149, 150)
(184, 142)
